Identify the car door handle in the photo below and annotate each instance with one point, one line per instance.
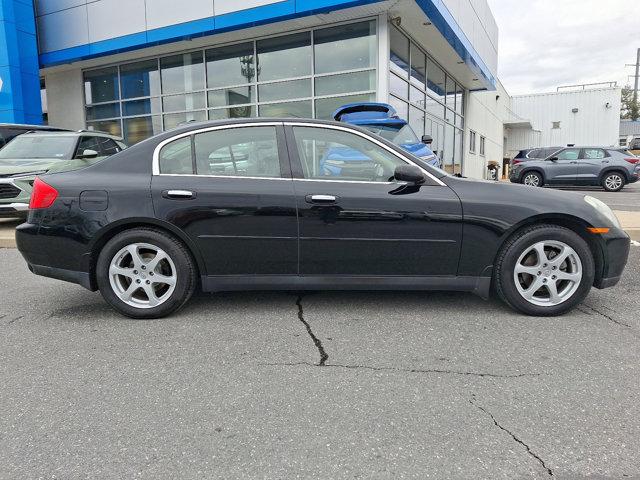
(179, 194)
(321, 199)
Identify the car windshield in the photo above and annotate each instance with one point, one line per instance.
(398, 134)
(44, 146)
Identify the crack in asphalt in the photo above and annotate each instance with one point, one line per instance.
(316, 341)
(608, 317)
(403, 370)
(472, 401)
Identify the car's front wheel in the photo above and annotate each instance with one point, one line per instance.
(613, 182)
(532, 179)
(145, 273)
(544, 270)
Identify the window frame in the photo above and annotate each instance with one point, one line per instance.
(483, 146)
(472, 141)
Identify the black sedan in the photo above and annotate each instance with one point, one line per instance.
(241, 205)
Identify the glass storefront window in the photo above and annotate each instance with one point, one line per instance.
(401, 107)
(105, 110)
(140, 79)
(435, 80)
(287, 110)
(270, 92)
(346, 47)
(399, 57)
(416, 96)
(229, 66)
(418, 66)
(451, 93)
(346, 82)
(108, 126)
(141, 107)
(246, 111)
(284, 57)
(179, 103)
(416, 120)
(326, 106)
(101, 85)
(175, 119)
(230, 96)
(182, 73)
(398, 86)
(139, 128)
(305, 74)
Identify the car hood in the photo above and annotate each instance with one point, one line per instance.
(28, 165)
(505, 204)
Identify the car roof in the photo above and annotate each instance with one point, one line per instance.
(79, 133)
(26, 126)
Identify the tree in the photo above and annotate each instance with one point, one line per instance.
(630, 110)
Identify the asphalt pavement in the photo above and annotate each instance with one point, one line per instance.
(324, 385)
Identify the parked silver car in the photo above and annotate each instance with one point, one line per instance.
(610, 168)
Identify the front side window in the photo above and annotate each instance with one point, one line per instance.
(569, 154)
(328, 154)
(238, 152)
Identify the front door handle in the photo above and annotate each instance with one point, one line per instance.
(321, 199)
(179, 194)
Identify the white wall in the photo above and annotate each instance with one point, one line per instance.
(593, 124)
(65, 99)
(476, 20)
(484, 115)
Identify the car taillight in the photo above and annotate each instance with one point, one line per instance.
(633, 161)
(515, 162)
(43, 195)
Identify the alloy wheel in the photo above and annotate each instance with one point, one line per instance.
(142, 275)
(613, 182)
(548, 273)
(532, 180)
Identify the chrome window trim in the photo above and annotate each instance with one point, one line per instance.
(161, 145)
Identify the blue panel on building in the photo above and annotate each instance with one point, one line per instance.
(19, 69)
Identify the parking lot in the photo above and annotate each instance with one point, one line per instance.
(318, 385)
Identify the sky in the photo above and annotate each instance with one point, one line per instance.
(547, 43)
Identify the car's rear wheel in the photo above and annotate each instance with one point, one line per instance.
(544, 270)
(532, 179)
(613, 182)
(145, 273)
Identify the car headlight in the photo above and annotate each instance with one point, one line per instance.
(604, 209)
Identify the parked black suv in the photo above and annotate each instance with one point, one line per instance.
(609, 167)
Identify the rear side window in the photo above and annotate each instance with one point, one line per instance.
(176, 157)
(594, 153)
(238, 152)
(535, 153)
(521, 154)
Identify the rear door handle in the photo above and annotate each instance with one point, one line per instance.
(321, 199)
(179, 194)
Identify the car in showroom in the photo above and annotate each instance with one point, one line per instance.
(381, 119)
(611, 168)
(37, 152)
(173, 214)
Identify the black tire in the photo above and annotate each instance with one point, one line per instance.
(515, 246)
(536, 179)
(613, 181)
(186, 272)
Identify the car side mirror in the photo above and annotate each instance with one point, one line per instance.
(409, 174)
(88, 154)
(427, 139)
(552, 159)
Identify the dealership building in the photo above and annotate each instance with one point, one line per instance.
(135, 68)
